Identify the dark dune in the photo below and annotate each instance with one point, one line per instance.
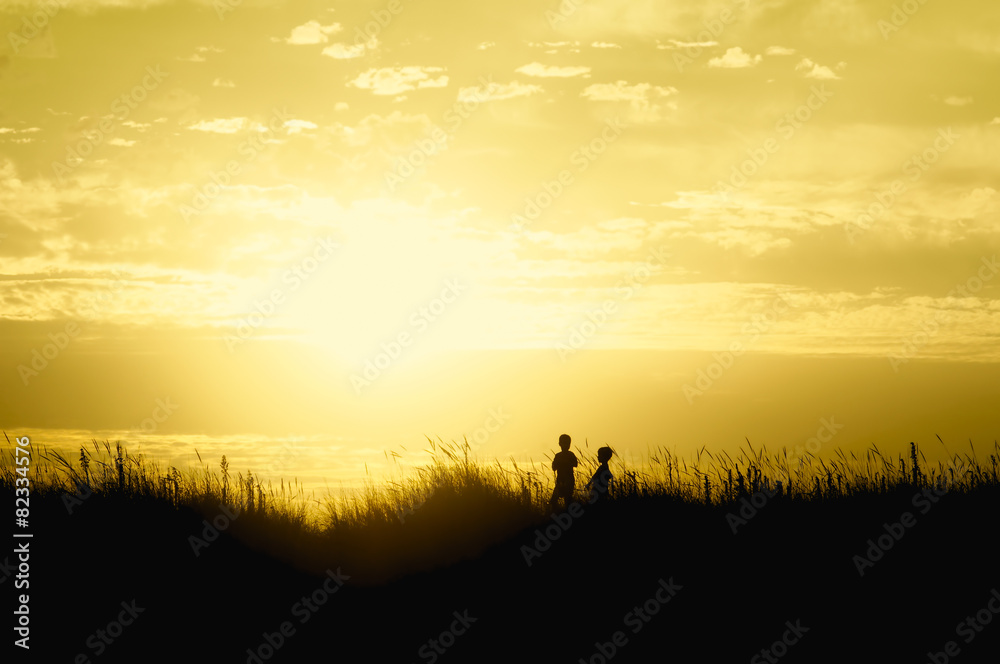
(791, 565)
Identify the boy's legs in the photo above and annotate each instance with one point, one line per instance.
(561, 492)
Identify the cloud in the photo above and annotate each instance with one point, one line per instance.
(753, 242)
(604, 45)
(557, 44)
(121, 142)
(735, 58)
(296, 126)
(995, 121)
(344, 51)
(26, 130)
(239, 124)
(642, 98)
(495, 91)
(814, 70)
(615, 235)
(397, 80)
(221, 125)
(199, 54)
(674, 44)
(223, 83)
(554, 47)
(958, 101)
(622, 91)
(485, 45)
(439, 82)
(312, 33)
(549, 71)
(395, 129)
(779, 50)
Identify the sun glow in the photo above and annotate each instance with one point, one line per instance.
(389, 283)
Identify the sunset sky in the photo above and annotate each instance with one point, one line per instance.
(351, 225)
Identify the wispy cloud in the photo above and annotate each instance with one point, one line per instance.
(550, 71)
(221, 125)
(957, 101)
(496, 91)
(779, 50)
(397, 80)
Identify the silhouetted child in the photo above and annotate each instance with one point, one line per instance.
(601, 480)
(563, 463)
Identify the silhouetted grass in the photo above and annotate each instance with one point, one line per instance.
(452, 533)
(454, 507)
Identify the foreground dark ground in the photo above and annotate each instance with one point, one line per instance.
(732, 593)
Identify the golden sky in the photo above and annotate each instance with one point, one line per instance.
(287, 216)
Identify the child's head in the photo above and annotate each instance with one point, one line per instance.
(564, 442)
(604, 454)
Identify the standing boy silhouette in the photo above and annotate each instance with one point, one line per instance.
(601, 481)
(563, 463)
